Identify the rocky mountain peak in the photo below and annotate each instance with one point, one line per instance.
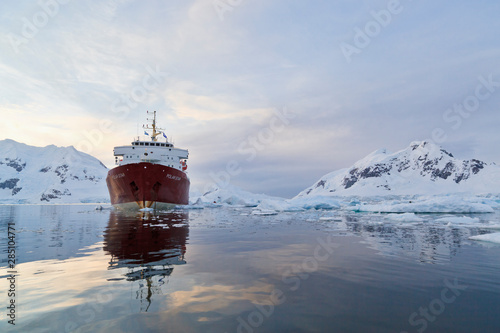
(421, 167)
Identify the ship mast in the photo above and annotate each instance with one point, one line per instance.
(154, 128)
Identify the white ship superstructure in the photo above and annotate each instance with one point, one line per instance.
(152, 151)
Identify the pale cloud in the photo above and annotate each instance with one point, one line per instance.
(225, 77)
(211, 108)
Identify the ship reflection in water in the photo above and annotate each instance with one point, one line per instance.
(146, 246)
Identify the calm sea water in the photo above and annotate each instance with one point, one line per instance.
(225, 270)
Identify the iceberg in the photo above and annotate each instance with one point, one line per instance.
(405, 217)
(229, 195)
(492, 238)
(444, 204)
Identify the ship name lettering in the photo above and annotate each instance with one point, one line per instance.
(173, 177)
(120, 175)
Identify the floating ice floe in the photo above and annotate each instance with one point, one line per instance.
(300, 204)
(402, 208)
(491, 226)
(330, 218)
(451, 220)
(315, 202)
(279, 205)
(493, 238)
(264, 212)
(445, 204)
(404, 217)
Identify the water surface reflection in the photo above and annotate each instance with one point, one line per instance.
(215, 270)
(147, 246)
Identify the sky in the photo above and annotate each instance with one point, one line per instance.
(267, 95)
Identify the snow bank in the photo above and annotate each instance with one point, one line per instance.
(493, 238)
(446, 204)
(230, 195)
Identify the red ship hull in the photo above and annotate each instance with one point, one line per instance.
(147, 185)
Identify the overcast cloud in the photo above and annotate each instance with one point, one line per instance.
(275, 93)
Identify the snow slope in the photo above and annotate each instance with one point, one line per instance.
(49, 174)
(230, 195)
(423, 168)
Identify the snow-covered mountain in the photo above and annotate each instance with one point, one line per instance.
(49, 174)
(421, 168)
